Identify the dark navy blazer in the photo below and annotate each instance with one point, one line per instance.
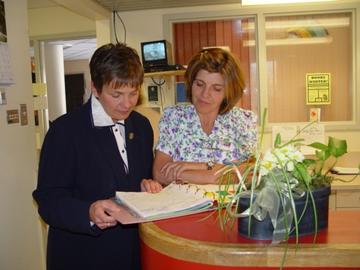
(79, 164)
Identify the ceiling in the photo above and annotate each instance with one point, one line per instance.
(74, 49)
(80, 49)
(77, 49)
(129, 5)
(40, 4)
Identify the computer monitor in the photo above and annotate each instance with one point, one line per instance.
(155, 55)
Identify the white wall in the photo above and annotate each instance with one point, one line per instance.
(20, 241)
(58, 21)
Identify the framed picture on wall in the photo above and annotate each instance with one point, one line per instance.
(3, 35)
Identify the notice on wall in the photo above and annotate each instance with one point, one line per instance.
(12, 116)
(314, 114)
(318, 88)
(23, 115)
(6, 77)
(287, 133)
(311, 133)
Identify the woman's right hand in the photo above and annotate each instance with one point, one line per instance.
(99, 213)
(151, 186)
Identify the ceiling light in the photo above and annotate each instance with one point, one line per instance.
(67, 45)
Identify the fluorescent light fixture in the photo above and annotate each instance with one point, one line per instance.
(269, 2)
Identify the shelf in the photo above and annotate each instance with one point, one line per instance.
(165, 73)
(292, 41)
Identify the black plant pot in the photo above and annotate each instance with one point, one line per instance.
(263, 230)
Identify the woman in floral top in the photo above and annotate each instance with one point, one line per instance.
(196, 140)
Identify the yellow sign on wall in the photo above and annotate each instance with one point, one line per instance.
(318, 88)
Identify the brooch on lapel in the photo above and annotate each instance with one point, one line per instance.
(131, 135)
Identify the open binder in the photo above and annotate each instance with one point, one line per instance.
(173, 201)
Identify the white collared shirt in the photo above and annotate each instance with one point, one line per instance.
(102, 119)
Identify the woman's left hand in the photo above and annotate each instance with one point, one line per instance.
(175, 168)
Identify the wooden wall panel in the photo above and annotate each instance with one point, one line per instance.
(228, 33)
(211, 33)
(244, 56)
(204, 34)
(187, 41)
(195, 40)
(219, 33)
(178, 44)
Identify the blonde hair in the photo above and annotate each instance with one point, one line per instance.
(223, 62)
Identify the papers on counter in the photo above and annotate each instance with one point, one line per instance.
(345, 170)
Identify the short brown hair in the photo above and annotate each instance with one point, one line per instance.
(116, 65)
(223, 62)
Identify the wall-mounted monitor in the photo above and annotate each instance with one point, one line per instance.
(156, 55)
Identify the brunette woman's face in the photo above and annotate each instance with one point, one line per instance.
(208, 92)
(118, 103)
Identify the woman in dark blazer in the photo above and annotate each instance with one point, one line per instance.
(87, 156)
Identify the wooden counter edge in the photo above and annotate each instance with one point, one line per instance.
(264, 255)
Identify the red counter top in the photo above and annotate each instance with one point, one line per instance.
(197, 242)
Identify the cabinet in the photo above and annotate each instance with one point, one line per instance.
(346, 195)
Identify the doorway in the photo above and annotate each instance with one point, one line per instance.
(74, 90)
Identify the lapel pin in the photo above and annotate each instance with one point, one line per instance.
(131, 135)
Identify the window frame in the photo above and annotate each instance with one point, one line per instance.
(260, 13)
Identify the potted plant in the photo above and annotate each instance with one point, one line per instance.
(282, 193)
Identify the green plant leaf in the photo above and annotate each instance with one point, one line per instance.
(277, 141)
(323, 154)
(318, 145)
(309, 161)
(337, 147)
(292, 141)
(302, 171)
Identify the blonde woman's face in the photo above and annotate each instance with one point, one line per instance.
(208, 92)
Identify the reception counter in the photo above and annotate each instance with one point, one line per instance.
(196, 242)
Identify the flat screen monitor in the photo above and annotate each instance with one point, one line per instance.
(155, 54)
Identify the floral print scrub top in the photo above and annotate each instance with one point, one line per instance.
(181, 136)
